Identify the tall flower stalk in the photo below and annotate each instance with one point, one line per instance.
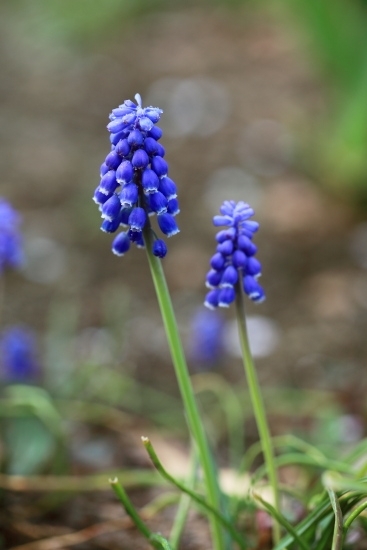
(235, 271)
(182, 374)
(257, 403)
(134, 186)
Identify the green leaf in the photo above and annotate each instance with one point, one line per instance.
(29, 445)
(281, 520)
(38, 402)
(338, 525)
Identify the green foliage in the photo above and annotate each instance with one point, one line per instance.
(32, 431)
(29, 445)
(34, 440)
(335, 32)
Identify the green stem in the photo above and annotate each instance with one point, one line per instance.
(184, 382)
(258, 405)
(231, 405)
(353, 516)
(338, 523)
(158, 465)
(130, 510)
(155, 539)
(184, 505)
(280, 519)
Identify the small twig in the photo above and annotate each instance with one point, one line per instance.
(78, 537)
(131, 478)
(34, 531)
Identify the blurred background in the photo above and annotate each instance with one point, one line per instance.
(263, 103)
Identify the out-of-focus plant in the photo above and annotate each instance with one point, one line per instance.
(30, 426)
(18, 356)
(11, 241)
(335, 32)
(206, 340)
(67, 22)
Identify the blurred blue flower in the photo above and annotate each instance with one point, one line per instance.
(11, 242)
(18, 355)
(206, 344)
(134, 181)
(234, 262)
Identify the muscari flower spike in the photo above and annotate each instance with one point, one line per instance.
(134, 181)
(11, 242)
(234, 261)
(18, 361)
(206, 343)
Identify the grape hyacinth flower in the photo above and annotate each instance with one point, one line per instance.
(134, 182)
(234, 266)
(11, 244)
(18, 355)
(206, 344)
(234, 261)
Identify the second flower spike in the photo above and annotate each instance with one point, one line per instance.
(234, 259)
(134, 182)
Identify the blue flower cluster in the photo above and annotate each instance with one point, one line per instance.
(234, 260)
(11, 243)
(18, 355)
(134, 179)
(206, 344)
